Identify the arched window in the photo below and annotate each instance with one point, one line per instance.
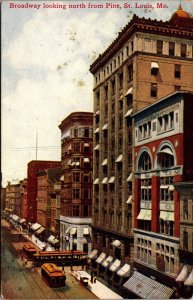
(165, 158)
(144, 162)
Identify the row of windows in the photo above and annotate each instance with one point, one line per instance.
(172, 48)
(165, 227)
(82, 132)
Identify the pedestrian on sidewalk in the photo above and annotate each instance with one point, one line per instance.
(94, 280)
(91, 277)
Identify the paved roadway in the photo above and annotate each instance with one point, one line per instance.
(21, 281)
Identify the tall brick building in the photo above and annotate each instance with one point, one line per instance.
(76, 189)
(33, 168)
(147, 61)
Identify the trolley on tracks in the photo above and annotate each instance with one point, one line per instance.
(53, 275)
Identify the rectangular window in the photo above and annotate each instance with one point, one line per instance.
(121, 80)
(183, 50)
(85, 211)
(113, 86)
(106, 91)
(97, 98)
(159, 47)
(76, 177)
(86, 178)
(77, 147)
(171, 48)
(75, 210)
(146, 189)
(76, 193)
(86, 193)
(177, 71)
(130, 72)
(153, 89)
(154, 126)
(86, 132)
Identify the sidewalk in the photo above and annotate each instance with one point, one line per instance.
(99, 289)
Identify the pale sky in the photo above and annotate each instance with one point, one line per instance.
(46, 55)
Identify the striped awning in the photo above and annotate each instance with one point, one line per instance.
(107, 261)
(101, 257)
(115, 265)
(147, 288)
(183, 274)
(35, 226)
(93, 254)
(124, 271)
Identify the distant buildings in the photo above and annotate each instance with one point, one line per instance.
(23, 193)
(147, 61)
(13, 199)
(163, 157)
(76, 188)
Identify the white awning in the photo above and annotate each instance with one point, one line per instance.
(189, 280)
(105, 127)
(148, 215)
(105, 180)
(97, 112)
(130, 178)
(112, 179)
(170, 216)
(69, 162)
(86, 160)
(129, 200)
(124, 271)
(22, 221)
(107, 261)
(62, 178)
(183, 274)
(164, 186)
(97, 130)
(163, 215)
(121, 97)
(147, 288)
(35, 226)
(101, 257)
(115, 265)
(40, 230)
(154, 65)
(73, 163)
(86, 231)
(97, 147)
(93, 254)
(73, 230)
(119, 158)
(116, 243)
(86, 144)
(15, 218)
(141, 215)
(171, 188)
(96, 181)
(105, 161)
(129, 91)
(77, 163)
(68, 230)
(51, 239)
(129, 112)
(166, 150)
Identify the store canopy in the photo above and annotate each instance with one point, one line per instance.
(15, 218)
(105, 180)
(115, 265)
(166, 150)
(35, 226)
(189, 280)
(154, 65)
(130, 178)
(105, 127)
(96, 181)
(97, 147)
(22, 221)
(105, 161)
(101, 257)
(73, 230)
(93, 254)
(116, 243)
(141, 215)
(97, 130)
(129, 200)
(86, 231)
(167, 215)
(147, 288)
(40, 230)
(183, 274)
(107, 261)
(119, 158)
(52, 240)
(112, 179)
(124, 271)
(129, 112)
(129, 91)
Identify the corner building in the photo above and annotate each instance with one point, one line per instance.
(76, 181)
(148, 60)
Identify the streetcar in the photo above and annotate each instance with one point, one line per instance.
(29, 250)
(65, 258)
(53, 276)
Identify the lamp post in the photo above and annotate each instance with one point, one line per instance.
(72, 260)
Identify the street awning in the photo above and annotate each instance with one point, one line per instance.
(148, 215)
(129, 200)
(96, 181)
(129, 91)
(107, 261)
(97, 112)
(171, 188)
(167, 215)
(51, 239)
(130, 178)
(163, 215)
(68, 230)
(93, 254)
(112, 179)
(97, 130)
(105, 127)
(101, 258)
(15, 218)
(116, 243)
(154, 65)
(77, 163)
(86, 145)
(189, 280)
(69, 162)
(73, 230)
(86, 160)
(170, 216)
(105, 180)
(86, 231)
(105, 161)
(124, 271)
(97, 147)
(35, 226)
(40, 230)
(129, 112)
(147, 288)
(141, 215)
(22, 221)
(119, 158)
(115, 265)
(166, 150)
(183, 274)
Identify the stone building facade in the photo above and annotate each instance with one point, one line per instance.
(23, 192)
(148, 60)
(163, 156)
(76, 188)
(13, 199)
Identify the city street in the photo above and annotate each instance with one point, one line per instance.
(19, 280)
